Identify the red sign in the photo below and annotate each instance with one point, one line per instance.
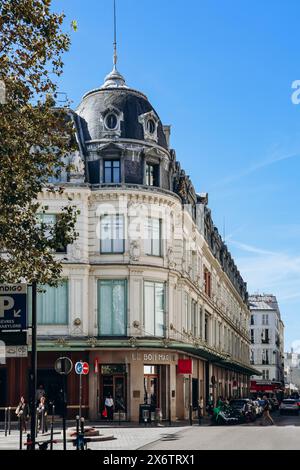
(85, 368)
(185, 366)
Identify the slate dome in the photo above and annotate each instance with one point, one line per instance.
(115, 94)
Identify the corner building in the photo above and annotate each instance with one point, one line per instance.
(149, 280)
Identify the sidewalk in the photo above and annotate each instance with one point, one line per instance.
(127, 436)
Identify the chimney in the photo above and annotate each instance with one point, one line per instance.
(167, 132)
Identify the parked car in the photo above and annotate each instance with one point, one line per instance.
(228, 416)
(289, 405)
(275, 403)
(245, 407)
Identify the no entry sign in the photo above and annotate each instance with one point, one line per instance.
(82, 368)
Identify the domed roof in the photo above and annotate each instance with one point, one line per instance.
(114, 94)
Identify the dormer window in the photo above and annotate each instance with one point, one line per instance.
(151, 126)
(149, 122)
(111, 121)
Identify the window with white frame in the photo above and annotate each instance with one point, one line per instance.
(154, 308)
(112, 307)
(49, 221)
(52, 304)
(112, 234)
(152, 233)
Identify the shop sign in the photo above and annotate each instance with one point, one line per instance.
(154, 357)
(185, 366)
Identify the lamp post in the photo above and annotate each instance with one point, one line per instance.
(33, 373)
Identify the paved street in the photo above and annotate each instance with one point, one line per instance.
(285, 435)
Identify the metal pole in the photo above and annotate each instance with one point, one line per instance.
(52, 427)
(33, 373)
(77, 432)
(64, 412)
(80, 395)
(21, 430)
(9, 420)
(191, 406)
(5, 422)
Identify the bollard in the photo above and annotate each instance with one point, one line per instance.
(5, 421)
(9, 420)
(21, 430)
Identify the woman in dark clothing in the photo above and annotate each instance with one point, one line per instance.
(42, 413)
(22, 412)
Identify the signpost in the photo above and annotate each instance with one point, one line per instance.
(81, 368)
(63, 366)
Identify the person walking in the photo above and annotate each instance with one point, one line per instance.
(109, 405)
(42, 413)
(266, 412)
(22, 412)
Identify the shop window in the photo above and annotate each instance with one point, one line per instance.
(52, 304)
(112, 234)
(154, 308)
(112, 307)
(152, 230)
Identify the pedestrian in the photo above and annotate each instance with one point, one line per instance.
(109, 405)
(42, 413)
(22, 412)
(266, 412)
(40, 392)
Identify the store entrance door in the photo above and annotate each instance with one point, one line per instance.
(151, 386)
(52, 383)
(113, 384)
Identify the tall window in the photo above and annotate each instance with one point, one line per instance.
(152, 236)
(252, 320)
(50, 220)
(194, 319)
(154, 308)
(112, 173)
(252, 356)
(112, 234)
(152, 172)
(112, 307)
(265, 319)
(207, 282)
(265, 336)
(53, 305)
(252, 336)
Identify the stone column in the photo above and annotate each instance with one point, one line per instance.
(136, 391)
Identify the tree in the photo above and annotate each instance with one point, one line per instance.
(35, 136)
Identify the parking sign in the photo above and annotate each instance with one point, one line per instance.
(13, 307)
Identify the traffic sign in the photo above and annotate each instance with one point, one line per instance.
(78, 368)
(82, 368)
(13, 307)
(63, 365)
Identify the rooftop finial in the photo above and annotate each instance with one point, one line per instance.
(115, 37)
(114, 79)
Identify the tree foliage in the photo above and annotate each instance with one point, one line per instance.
(35, 136)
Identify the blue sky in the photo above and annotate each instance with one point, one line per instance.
(220, 72)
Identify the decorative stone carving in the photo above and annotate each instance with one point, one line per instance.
(170, 258)
(134, 250)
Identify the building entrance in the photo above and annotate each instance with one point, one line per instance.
(151, 386)
(113, 384)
